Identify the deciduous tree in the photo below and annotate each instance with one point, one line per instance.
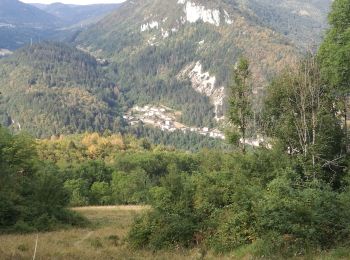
(240, 111)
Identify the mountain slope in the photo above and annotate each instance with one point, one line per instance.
(303, 22)
(74, 14)
(164, 49)
(15, 13)
(55, 89)
(22, 23)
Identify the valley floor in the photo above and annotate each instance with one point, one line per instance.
(104, 240)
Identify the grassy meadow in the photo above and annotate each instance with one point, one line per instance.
(105, 239)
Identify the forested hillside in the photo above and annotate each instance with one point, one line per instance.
(303, 22)
(163, 53)
(22, 23)
(51, 88)
(13, 12)
(54, 89)
(183, 58)
(166, 49)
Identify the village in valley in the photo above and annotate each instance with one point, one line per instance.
(165, 118)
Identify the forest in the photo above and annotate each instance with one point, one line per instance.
(53, 88)
(287, 198)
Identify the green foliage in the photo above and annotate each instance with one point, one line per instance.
(334, 57)
(241, 110)
(32, 196)
(172, 222)
(305, 214)
(300, 114)
(100, 193)
(334, 52)
(189, 141)
(255, 199)
(112, 169)
(78, 190)
(131, 187)
(52, 88)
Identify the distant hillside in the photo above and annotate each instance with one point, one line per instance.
(56, 89)
(303, 22)
(75, 14)
(16, 13)
(21, 23)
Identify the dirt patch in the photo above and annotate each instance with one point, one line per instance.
(127, 207)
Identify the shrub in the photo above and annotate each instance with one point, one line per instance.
(32, 197)
(277, 214)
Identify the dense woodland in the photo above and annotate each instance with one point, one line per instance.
(183, 141)
(51, 88)
(285, 199)
(27, 200)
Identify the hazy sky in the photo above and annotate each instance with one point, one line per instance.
(76, 2)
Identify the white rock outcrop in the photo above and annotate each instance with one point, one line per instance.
(149, 26)
(165, 34)
(204, 84)
(228, 20)
(196, 13)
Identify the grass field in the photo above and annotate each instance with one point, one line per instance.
(105, 240)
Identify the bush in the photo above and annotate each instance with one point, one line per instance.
(267, 206)
(307, 214)
(32, 196)
(22, 227)
(173, 220)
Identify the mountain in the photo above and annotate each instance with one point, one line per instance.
(164, 51)
(16, 13)
(177, 53)
(21, 23)
(77, 14)
(52, 88)
(303, 22)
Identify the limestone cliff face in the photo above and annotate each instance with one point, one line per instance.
(205, 84)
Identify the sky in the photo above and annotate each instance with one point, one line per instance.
(76, 2)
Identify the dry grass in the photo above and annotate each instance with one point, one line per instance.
(102, 241)
(105, 240)
(111, 208)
